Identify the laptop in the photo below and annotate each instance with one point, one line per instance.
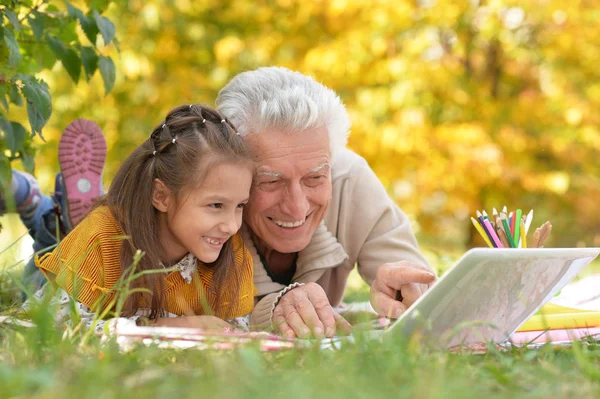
(485, 297)
(488, 294)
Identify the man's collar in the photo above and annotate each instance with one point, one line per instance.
(322, 252)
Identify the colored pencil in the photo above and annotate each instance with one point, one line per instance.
(511, 223)
(528, 221)
(482, 233)
(507, 230)
(485, 216)
(501, 234)
(517, 228)
(536, 238)
(481, 219)
(495, 238)
(544, 233)
(523, 234)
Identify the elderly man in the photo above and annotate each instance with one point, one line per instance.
(316, 208)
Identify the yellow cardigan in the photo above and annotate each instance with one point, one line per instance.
(86, 264)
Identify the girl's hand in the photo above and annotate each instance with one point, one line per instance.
(207, 323)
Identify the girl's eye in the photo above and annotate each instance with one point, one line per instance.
(242, 206)
(216, 206)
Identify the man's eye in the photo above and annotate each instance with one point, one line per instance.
(269, 184)
(315, 180)
(216, 206)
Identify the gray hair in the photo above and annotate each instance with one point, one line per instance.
(277, 98)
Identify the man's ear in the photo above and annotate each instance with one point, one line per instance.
(161, 195)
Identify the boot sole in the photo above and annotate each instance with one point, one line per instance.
(81, 155)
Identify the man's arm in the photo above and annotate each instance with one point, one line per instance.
(371, 227)
(379, 236)
(260, 318)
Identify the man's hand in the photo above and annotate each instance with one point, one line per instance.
(410, 279)
(305, 311)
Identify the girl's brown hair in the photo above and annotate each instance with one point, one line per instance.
(180, 152)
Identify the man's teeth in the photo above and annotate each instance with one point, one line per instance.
(289, 224)
(213, 242)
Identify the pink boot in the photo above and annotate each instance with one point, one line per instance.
(81, 155)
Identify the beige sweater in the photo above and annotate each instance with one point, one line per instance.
(362, 226)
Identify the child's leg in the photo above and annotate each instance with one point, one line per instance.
(30, 203)
(37, 214)
(81, 154)
(44, 242)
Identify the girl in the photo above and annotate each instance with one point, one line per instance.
(178, 198)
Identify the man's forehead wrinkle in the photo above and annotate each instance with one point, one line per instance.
(267, 158)
(284, 145)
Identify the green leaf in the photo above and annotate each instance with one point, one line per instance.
(66, 30)
(15, 54)
(107, 29)
(107, 70)
(5, 172)
(28, 161)
(45, 57)
(15, 137)
(67, 57)
(90, 61)
(39, 107)
(99, 5)
(89, 28)
(12, 17)
(88, 24)
(72, 64)
(73, 11)
(117, 44)
(4, 87)
(14, 95)
(37, 24)
(6, 128)
(57, 47)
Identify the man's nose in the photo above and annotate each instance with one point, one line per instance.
(295, 202)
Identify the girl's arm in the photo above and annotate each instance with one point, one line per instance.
(63, 302)
(208, 323)
(65, 305)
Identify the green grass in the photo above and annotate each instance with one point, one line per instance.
(43, 362)
(38, 363)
